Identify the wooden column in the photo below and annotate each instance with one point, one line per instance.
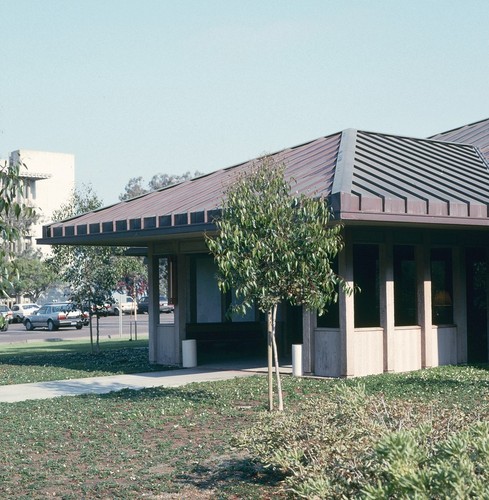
(386, 265)
(308, 327)
(347, 309)
(182, 307)
(153, 304)
(423, 266)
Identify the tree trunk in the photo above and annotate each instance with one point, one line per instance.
(270, 358)
(90, 324)
(275, 353)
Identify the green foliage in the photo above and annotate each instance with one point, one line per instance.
(349, 444)
(13, 214)
(91, 272)
(34, 275)
(135, 186)
(409, 464)
(274, 244)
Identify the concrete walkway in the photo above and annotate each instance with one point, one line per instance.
(104, 385)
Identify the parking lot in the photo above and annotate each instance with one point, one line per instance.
(109, 326)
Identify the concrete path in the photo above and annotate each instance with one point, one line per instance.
(103, 385)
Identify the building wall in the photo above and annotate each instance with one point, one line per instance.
(51, 183)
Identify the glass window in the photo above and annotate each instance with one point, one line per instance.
(366, 278)
(167, 289)
(405, 286)
(441, 286)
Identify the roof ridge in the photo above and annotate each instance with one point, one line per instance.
(459, 128)
(343, 175)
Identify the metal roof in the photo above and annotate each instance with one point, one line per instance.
(369, 177)
(476, 134)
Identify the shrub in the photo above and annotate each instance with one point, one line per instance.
(353, 445)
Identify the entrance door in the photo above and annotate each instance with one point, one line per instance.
(476, 265)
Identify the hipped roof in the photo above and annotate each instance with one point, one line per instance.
(369, 178)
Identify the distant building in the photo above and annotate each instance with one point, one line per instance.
(50, 180)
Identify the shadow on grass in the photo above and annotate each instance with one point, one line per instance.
(228, 473)
(123, 360)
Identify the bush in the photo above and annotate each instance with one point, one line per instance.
(411, 465)
(350, 444)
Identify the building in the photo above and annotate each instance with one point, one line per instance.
(415, 223)
(49, 183)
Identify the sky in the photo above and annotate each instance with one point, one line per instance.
(140, 87)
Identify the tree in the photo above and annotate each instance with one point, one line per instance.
(135, 186)
(274, 245)
(133, 189)
(34, 275)
(92, 272)
(13, 210)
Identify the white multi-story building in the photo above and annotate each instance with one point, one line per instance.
(50, 180)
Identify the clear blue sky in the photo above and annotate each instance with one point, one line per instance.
(138, 87)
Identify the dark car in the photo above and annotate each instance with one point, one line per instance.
(164, 306)
(54, 316)
(143, 305)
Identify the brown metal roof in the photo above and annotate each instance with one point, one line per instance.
(370, 177)
(476, 134)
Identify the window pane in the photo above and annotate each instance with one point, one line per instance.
(405, 289)
(366, 277)
(441, 286)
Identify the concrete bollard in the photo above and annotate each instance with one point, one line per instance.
(189, 353)
(297, 360)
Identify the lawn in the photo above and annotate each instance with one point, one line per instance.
(44, 361)
(198, 441)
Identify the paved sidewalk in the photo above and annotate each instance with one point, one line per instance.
(103, 385)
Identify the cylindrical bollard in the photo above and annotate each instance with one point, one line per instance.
(297, 360)
(189, 353)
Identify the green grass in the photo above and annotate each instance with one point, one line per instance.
(174, 442)
(41, 362)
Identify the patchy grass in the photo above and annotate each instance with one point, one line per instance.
(41, 363)
(213, 440)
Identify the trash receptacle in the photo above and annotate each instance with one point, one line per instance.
(189, 353)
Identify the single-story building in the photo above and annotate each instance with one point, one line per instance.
(416, 229)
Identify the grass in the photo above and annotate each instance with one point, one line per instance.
(172, 442)
(41, 362)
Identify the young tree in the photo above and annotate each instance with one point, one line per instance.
(91, 272)
(13, 210)
(274, 245)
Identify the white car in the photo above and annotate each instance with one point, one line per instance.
(127, 306)
(20, 311)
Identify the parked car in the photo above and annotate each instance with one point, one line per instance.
(127, 305)
(164, 306)
(7, 316)
(54, 316)
(143, 305)
(20, 311)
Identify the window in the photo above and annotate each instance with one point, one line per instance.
(441, 286)
(166, 289)
(405, 286)
(366, 277)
